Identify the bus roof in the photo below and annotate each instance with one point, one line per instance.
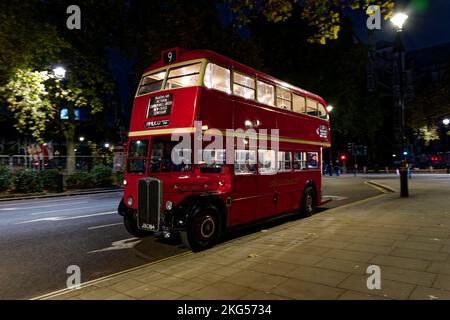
(185, 55)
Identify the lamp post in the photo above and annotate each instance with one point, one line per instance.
(330, 167)
(446, 123)
(398, 20)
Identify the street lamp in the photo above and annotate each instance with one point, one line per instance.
(398, 20)
(446, 121)
(329, 108)
(59, 72)
(107, 145)
(81, 139)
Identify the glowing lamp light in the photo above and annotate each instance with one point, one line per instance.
(81, 139)
(399, 20)
(330, 108)
(446, 121)
(59, 72)
(106, 145)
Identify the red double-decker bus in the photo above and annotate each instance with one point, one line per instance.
(275, 166)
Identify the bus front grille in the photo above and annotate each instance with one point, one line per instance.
(149, 197)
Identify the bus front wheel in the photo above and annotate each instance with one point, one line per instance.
(131, 225)
(308, 205)
(203, 228)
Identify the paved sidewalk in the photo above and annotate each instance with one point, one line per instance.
(322, 257)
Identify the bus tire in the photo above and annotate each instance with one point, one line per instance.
(308, 203)
(203, 228)
(131, 225)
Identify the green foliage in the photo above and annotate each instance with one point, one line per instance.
(102, 175)
(5, 179)
(26, 41)
(119, 177)
(81, 180)
(324, 16)
(28, 97)
(431, 104)
(100, 155)
(49, 178)
(27, 181)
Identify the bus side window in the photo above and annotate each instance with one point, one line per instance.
(299, 161)
(267, 162)
(245, 162)
(217, 77)
(284, 98)
(266, 93)
(299, 104)
(322, 111)
(243, 86)
(284, 161)
(311, 107)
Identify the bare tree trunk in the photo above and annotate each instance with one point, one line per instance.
(69, 134)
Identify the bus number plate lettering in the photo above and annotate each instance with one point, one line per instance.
(156, 123)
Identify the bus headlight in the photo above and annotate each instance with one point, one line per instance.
(125, 182)
(169, 205)
(130, 201)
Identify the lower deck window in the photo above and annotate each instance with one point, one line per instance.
(299, 161)
(245, 162)
(284, 161)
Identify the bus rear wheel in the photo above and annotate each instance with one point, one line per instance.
(131, 225)
(203, 228)
(308, 203)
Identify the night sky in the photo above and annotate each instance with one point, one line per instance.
(428, 24)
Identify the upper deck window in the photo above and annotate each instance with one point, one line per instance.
(311, 107)
(185, 76)
(284, 98)
(152, 82)
(322, 111)
(244, 86)
(217, 77)
(266, 93)
(299, 104)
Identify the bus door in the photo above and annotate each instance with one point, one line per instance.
(243, 188)
(267, 201)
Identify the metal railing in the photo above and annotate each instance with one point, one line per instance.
(80, 163)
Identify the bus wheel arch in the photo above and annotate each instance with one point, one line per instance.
(308, 201)
(204, 222)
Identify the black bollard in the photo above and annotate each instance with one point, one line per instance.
(404, 180)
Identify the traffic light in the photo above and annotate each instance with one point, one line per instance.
(350, 147)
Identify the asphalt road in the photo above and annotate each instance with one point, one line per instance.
(41, 238)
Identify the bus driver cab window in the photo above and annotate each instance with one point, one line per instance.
(313, 160)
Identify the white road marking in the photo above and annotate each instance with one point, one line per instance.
(120, 245)
(46, 206)
(41, 201)
(106, 225)
(337, 198)
(59, 210)
(68, 218)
